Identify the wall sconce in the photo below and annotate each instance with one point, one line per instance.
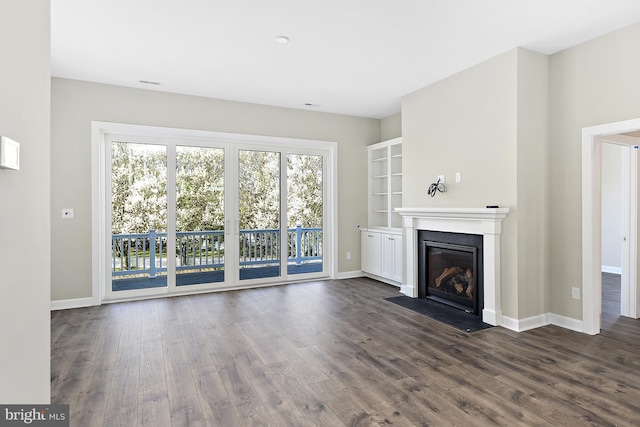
(436, 187)
(9, 153)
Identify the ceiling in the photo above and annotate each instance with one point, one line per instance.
(355, 57)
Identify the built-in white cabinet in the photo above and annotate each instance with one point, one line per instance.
(391, 256)
(371, 252)
(382, 239)
(382, 255)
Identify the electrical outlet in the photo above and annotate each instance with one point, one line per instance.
(575, 293)
(348, 255)
(441, 178)
(67, 213)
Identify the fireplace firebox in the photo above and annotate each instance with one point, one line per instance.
(450, 269)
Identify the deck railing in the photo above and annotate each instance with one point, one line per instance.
(146, 253)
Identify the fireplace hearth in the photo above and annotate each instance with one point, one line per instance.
(450, 269)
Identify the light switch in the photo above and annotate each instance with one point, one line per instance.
(575, 293)
(9, 153)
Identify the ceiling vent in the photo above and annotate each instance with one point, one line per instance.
(149, 82)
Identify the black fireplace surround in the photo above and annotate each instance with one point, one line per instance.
(450, 269)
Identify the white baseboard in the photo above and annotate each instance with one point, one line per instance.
(565, 322)
(521, 325)
(71, 303)
(613, 270)
(350, 274)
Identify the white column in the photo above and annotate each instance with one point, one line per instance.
(410, 275)
(492, 312)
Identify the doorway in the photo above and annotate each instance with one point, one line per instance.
(593, 138)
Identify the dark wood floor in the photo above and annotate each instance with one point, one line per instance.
(331, 353)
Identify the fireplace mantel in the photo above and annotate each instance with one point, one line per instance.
(482, 221)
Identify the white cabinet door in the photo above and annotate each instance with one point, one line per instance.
(397, 259)
(391, 257)
(371, 252)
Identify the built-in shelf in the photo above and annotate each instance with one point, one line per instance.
(385, 184)
(382, 250)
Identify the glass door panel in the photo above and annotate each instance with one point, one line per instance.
(138, 216)
(258, 214)
(304, 213)
(200, 218)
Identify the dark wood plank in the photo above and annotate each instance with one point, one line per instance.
(334, 353)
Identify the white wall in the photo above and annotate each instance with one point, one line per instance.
(467, 123)
(533, 183)
(590, 84)
(24, 204)
(611, 208)
(75, 104)
(391, 127)
(490, 123)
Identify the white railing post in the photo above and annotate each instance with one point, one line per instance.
(152, 254)
(298, 244)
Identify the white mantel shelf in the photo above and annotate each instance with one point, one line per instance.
(457, 213)
(482, 221)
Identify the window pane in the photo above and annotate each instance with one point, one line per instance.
(259, 214)
(138, 216)
(199, 215)
(304, 213)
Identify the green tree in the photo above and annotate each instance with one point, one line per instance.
(304, 180)
(259, 189)
(199, 189)
(138, 188)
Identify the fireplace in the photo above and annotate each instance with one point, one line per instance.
(483, 222)
(450, 269)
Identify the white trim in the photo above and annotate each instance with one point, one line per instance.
(592, 138)
(509, 323)
(612, 270)
(65, 304)
(533, 322)
(383, 280)
(625, 284)
(349, 275)
(521, 325)
(98, 209)
(631, 242)
(565, 322)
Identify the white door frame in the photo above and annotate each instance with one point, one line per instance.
(99, 206)
(592, 139)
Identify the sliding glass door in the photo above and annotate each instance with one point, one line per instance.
(259, 214)
(200, 217)
(194, 215)
(138, 215)
(305, 213)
